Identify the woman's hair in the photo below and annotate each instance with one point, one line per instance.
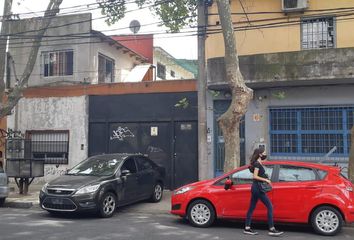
(256, 154)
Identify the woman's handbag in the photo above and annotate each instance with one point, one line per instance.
(265, 187)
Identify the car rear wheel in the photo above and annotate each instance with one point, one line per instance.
(157, 193)
(2, 201)
(326, 221)
(201, 213)
(107, 205)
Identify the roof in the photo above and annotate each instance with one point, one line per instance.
(189, 65)
(110, 40)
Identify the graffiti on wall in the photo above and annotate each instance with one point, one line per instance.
(121, 132)
(54, 171)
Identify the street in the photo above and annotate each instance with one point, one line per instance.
(125, 224)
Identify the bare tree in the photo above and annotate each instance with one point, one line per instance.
(15, 94)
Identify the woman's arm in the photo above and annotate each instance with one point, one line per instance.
(255, 176)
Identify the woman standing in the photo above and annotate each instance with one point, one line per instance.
(259, 175)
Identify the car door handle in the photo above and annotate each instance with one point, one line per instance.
(312, 187)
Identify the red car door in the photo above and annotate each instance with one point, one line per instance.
(293, 193)
(234, 203)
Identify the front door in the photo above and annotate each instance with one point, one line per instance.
(186, 153)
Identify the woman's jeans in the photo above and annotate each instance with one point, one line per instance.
(256, 195)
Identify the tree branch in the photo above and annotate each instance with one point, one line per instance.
(13, 98)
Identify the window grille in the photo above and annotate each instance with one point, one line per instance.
(318, 33)
(311, 131)
(50, 146)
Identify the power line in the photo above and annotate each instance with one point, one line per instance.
(209, 31)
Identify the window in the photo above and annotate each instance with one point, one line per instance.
(50, 146)
(58, 63)
(173, 74)
(321, 174)
(161, 71)
(318, 33)
(129, 164)
(105, 69)
(296, 174)
(143, 163)
(312, 131)
(246, 177)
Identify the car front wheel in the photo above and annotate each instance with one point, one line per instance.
(326, 221)
(107, 205)
(157, 193)
(201, 213)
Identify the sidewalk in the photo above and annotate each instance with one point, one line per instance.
(16, 200)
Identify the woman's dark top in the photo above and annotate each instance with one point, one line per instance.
(261, 171)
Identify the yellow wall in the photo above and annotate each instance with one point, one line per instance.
(277, 39)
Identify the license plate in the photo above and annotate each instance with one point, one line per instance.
(57, 201)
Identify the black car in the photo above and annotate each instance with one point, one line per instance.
(104, 182)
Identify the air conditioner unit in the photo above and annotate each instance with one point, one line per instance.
(294, 5)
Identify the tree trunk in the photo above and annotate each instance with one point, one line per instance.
(241, 94)
(16, 94)
(351, 157)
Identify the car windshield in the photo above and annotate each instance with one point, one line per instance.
(96, 166)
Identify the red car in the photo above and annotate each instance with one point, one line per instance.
(302, 193)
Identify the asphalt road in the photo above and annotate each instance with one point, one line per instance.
(36, 224)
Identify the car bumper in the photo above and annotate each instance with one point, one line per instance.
(68, 203)
(350, 215)
(4, 191)
(179, 204)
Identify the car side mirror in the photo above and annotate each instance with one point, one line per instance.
(228, 184)
(125, 173)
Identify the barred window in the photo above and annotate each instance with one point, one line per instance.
(50, 146)
(58, 63)
(318, 33)
(312, 131)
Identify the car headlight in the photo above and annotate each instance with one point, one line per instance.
(44, 188)
(183, 190)
(88, 189)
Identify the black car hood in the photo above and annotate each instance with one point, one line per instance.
(74, 181)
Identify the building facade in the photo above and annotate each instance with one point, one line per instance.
(296, 56)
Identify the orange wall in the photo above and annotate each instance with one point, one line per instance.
(277, 39)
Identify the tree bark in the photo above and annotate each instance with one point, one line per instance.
(16, 93)
(351, 157)
(241, 95)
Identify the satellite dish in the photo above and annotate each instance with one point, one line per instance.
(134, 26)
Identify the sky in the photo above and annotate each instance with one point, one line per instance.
(179, 46)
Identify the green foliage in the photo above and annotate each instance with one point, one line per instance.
(214, 93)
(174, 14)
(183, 103)
(279, 95)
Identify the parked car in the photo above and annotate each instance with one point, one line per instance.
(4, 189)
(104, 182)
(302, 193)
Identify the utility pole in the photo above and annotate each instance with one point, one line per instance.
(202, 127)
(3, 44)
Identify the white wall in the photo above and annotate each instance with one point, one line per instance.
(70, 113)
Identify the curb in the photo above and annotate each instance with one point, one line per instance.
(24, 205)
